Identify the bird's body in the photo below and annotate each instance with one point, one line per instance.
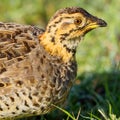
(37, 67)
(30, 78)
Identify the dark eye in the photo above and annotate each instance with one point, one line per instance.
(77, 21)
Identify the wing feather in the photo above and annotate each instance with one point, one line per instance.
(16, 41)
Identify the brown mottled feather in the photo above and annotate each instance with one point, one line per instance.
(16, 41)
(28, 72)
(37, 67)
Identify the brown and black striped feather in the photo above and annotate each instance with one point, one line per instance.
(15, 42)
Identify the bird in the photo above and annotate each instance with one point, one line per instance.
(38, 66)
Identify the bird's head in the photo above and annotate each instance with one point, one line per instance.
(66, 28)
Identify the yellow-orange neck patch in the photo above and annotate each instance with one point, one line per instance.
(55, 49)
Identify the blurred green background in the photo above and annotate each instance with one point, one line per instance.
(98, 56)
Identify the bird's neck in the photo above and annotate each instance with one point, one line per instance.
(64, 50)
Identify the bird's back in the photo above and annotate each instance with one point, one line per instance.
(15, 42)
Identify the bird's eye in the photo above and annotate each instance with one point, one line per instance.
(77, 21)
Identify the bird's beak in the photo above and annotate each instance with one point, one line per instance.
(100, 23)
(94, 22)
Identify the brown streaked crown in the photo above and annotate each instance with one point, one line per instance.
(71, 10)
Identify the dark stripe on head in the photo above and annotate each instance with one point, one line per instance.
(57, 22)
(65, 35)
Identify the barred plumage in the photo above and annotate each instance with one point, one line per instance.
(37, 67)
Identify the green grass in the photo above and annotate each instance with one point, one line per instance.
(96, 92)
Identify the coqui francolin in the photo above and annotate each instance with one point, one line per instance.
(38, 67)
